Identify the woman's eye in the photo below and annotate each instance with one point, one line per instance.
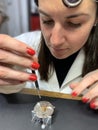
(48, 22)
(74, 25)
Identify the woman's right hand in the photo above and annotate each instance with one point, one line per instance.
(14, 57)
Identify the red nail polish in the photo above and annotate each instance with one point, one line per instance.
(30, 51)
(33, 77)
(85, 100)
(74, 94)
(92, 105)
(35, 65)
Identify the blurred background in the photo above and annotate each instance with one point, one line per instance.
(18, 16)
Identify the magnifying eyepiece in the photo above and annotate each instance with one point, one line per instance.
(71, 3)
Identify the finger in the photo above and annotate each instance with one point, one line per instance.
(7, 73)
(91, 93)
(87, 81)
(73, 85)
(4, 82)
(94, 103)
(9, 43)
(9, 58)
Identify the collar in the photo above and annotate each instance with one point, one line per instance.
(76, 68)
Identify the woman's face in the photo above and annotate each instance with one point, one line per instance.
(66, 30)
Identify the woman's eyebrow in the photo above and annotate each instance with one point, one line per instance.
(77, 15)
(70, 16)
(42, 12)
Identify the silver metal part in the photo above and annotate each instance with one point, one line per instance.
(42, 113)
(37, 88)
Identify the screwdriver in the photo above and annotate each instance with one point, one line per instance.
(37, 86)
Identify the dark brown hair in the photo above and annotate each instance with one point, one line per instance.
(3, 17)
(90, 49)
(36, 1)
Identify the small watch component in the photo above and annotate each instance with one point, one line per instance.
(42, 113)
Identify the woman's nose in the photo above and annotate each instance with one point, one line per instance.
(57, 36)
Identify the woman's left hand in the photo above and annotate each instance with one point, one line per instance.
(88, 87)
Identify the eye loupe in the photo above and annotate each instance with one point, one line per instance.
(72, 3)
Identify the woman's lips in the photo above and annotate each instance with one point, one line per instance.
(59, 50)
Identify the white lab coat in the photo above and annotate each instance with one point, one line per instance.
(74, 74)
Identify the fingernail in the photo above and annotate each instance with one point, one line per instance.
(30, 51)
(35, 65)
(92, 105)
(85, 100)
(74, 94)
(33, 77)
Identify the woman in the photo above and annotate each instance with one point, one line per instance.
(66, 49)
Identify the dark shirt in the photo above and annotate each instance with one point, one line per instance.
(62, 67)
